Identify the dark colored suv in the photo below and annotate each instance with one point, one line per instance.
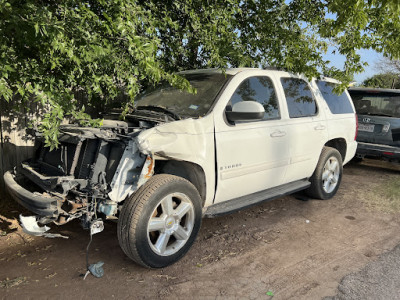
(378, 113)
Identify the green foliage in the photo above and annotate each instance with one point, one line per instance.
(52, 49)
(384, 80)
(269, 293)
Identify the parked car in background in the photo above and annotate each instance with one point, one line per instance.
(378, 113)
(246, 136)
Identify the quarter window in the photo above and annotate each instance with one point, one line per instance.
(260, 89)
(338, 104)
(299, 98)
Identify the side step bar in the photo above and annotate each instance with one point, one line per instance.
(236, 204)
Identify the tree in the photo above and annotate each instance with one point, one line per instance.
(389, 76)
(386, 65)
(383, 80)
(50, 49)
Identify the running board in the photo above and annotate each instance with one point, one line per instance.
(236, 204)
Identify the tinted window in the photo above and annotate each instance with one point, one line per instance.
(258, 89)
(299, 98)
(338, 104)
(376, 103)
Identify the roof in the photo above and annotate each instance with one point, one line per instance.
(234, 71)
(229, 71)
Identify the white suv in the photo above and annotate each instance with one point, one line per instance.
(246, 136)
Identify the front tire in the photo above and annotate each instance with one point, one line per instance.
(327, 175)
(159, 223)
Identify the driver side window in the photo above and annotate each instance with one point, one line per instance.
(261, 90)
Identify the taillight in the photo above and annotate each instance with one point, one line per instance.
(388, 153)
(355, 136)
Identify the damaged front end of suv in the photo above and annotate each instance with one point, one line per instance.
(107, 172)
(95, 169)
(92, 172)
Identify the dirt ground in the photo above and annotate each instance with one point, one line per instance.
(282, 249)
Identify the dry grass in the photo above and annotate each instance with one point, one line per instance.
(8, 283)
(384, 197)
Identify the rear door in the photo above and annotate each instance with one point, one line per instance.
(307, 128)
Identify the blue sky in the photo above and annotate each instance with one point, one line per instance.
(370, 56)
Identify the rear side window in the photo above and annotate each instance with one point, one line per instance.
(338, 104)
(299, 98)
(261, 90)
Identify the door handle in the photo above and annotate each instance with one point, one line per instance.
(319, 127)
(278, 133)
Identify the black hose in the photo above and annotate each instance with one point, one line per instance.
(87, 253)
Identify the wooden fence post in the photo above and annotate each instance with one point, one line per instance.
(2, 187)
(15, 145)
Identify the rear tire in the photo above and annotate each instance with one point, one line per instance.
(159, 223)
(327, 175)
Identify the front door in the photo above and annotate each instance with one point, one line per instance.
(251, 156)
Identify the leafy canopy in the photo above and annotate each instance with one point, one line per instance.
(52, 49)
(383, 80)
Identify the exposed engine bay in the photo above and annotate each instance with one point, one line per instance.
(91, 172)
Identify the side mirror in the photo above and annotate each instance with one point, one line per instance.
(246, 111)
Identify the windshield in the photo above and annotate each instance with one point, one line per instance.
(379, 104)
(182, 103)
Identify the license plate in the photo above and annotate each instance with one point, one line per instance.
(366, 127)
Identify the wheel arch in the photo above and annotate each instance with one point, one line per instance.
(340, 145)
(188, 170)
(318, 188)
(146, 205)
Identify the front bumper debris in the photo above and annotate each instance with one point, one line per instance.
(39, 204)
(30, 226)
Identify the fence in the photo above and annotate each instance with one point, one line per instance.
(15, 144)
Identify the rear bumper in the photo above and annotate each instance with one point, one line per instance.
(38, 204)
(377, 150)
